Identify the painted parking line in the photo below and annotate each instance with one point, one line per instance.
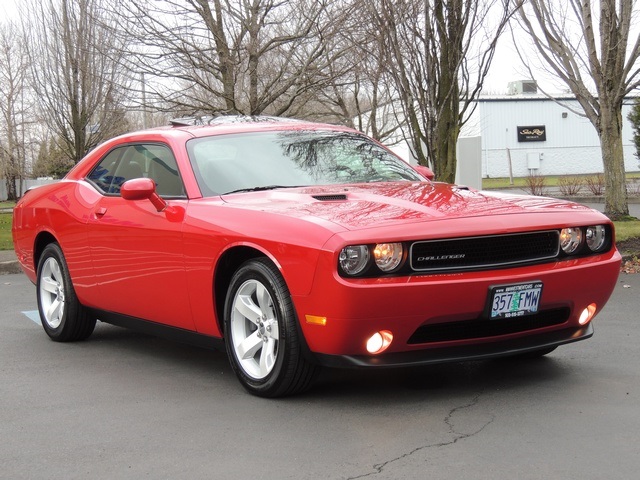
(34, 316)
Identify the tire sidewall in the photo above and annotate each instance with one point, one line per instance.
(53, 251)
(257, 270)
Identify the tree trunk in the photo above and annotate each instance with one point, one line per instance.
(610, 132)
(10, 183)
(224, 53)
(447, 132)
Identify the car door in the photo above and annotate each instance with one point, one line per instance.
(136, 251)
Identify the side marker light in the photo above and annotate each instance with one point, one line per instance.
(315, 320)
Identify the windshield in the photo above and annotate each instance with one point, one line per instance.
(253, 161)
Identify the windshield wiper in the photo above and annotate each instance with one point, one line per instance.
(263, 188)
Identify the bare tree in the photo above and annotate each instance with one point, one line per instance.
(13, 108)
(233, 56)
(77, 71)
(589, 43)
(359, 91)
(439, 53)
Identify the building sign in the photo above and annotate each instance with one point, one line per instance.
(537, 133)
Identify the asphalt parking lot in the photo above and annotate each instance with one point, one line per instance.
(125, 405)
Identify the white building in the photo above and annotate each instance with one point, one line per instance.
(531, 133)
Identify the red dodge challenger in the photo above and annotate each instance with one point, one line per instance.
(297, 245)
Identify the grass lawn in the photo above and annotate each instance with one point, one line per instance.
(627, 230)
(6, 242)
(549, 181)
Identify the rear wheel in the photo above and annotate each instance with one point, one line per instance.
(261, 333)
(62, 316)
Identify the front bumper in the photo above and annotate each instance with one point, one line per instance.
(430, 356)
(407, 306)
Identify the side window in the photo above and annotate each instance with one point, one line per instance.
(104, 177)
(136, 161)
(163, 169)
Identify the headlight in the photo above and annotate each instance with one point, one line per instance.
(354, 259)
(570, 240)
(596, 237)
(387, 256)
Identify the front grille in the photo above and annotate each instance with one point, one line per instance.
(484, 252)
(483, 328)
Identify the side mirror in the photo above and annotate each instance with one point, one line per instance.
(424, 171)
(141, 189)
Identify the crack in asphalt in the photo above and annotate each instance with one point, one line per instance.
(448, 420)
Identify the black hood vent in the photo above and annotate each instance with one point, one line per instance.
(330, 198)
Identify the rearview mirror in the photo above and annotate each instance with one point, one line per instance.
(424, 171)
(141, 189)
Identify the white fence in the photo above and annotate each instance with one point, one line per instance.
(21, 188)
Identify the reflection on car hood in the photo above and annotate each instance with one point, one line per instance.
(380, 204)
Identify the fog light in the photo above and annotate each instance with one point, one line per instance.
(587, 314)
(379, 341)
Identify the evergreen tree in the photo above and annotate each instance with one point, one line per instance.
(51, 161)
(634, 118)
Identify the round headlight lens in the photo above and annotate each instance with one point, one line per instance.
(596, 237)
(354, 259)
(387, 256)
(570, 240)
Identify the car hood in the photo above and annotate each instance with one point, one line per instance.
(392, 203)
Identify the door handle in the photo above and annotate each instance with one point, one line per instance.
(100, 211)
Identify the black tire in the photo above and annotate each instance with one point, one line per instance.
(62, 316)
(261, 333)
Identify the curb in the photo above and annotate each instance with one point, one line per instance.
(10, 267)
(9, 262)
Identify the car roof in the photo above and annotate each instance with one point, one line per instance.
(221, 125)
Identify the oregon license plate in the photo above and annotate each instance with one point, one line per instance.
(515, 300)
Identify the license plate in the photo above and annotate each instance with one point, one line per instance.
(509, 301)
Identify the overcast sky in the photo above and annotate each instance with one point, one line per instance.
(8, 8)
(504, 69)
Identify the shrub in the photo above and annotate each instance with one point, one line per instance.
(633, 188)
(570, 185)
(595, 183)
(535, 184)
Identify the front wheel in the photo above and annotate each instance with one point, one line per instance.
(261, 333)
(62, 316)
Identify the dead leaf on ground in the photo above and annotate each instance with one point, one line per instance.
(631, 266)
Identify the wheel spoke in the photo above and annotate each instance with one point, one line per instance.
(268, 356)
(49, 285)
(247, 348)
(264, 300)
(56, 273)
(272, 329)
(54, 311)
(247, 308)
